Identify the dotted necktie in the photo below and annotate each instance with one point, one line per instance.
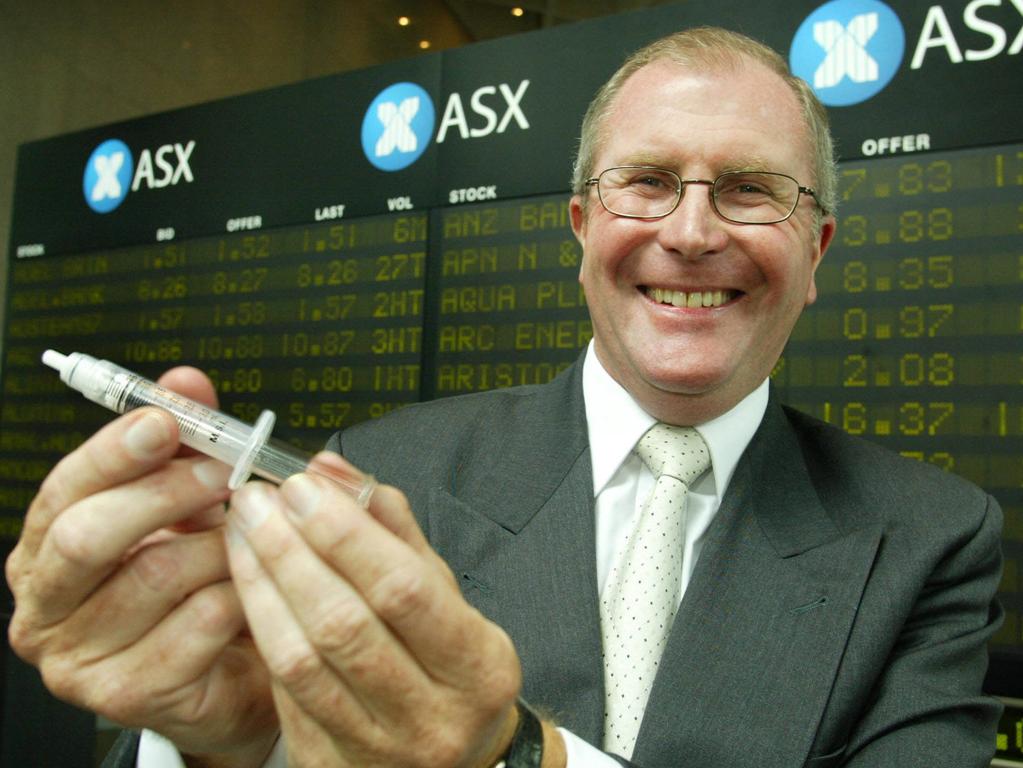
(642, 591)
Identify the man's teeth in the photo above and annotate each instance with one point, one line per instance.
(692, 300)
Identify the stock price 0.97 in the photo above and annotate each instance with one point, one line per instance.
(909, 322)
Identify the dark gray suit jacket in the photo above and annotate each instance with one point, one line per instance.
(838, 614)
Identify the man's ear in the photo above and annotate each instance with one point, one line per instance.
(578, 216)
(828, 228)
(827, 234)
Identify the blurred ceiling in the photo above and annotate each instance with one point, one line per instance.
(450, 23)
(486, 19)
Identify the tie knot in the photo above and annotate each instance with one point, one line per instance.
(676, 451)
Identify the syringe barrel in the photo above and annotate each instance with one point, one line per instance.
(277, 461)
(249, 449)
(209, 431)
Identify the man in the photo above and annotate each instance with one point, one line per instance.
(835, 599)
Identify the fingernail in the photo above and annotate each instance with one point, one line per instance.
(146, 436)
(212, 474)
(233, 534)
(302, 494)
(336, 469)
(252, 504)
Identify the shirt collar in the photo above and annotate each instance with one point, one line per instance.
(615, 422)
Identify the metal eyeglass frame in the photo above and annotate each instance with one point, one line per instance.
(711, 184)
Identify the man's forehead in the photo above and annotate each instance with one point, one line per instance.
(744, 95)
(738, 73)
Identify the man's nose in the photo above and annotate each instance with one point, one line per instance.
(694, 228)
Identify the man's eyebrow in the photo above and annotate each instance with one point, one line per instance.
(752, 163)
(655, 161)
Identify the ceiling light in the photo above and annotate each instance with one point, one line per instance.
(516, 11)
(404, 21)
(424, 44)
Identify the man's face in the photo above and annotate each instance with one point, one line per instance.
(687, 364)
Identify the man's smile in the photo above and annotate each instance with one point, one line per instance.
(692, 300)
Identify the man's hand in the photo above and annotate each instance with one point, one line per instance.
(376, 659)
(123, 594)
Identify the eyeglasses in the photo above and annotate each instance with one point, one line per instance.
(742, 197)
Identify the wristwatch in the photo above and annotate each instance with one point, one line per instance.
(526, 748)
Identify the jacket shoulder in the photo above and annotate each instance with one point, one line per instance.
(427, 442)
(846, 468)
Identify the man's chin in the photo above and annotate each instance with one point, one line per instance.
(687, 383)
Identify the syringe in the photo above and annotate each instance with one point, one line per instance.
(249, 449)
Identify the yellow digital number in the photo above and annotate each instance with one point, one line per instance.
(409, 229)
(855, 371)
(255, 247)
(916, 321)
(854, 418)
(854, 276)
(937, 370)
(914, 178)
(854, 323)
(850, 179)
(854, 230)
(163, 351)
(163, 288)
(919, 418)
(246, 411)
(941, 459)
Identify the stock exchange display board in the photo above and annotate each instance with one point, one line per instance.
(914, 341)
(311, 319)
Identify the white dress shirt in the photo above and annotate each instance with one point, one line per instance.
(621, 484)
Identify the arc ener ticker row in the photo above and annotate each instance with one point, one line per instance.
(914, 341)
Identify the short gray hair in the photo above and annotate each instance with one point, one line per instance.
(712, 47)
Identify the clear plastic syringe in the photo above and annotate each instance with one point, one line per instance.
(249, 449)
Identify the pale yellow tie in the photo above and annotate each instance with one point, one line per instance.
(642, 592)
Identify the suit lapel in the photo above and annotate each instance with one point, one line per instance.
(759, 636)
(519, 533)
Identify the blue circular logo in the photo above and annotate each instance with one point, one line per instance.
(848, 50)
(398, 126)
(107, 177)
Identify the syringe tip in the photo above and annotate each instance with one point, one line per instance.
(54, 359)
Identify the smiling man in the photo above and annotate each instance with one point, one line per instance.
(692, 304)
(670, 567)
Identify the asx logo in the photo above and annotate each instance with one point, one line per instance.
(848, 50)
(397, 127)
(110, 173)
(398, 124)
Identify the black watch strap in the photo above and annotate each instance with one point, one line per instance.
(526, 748)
